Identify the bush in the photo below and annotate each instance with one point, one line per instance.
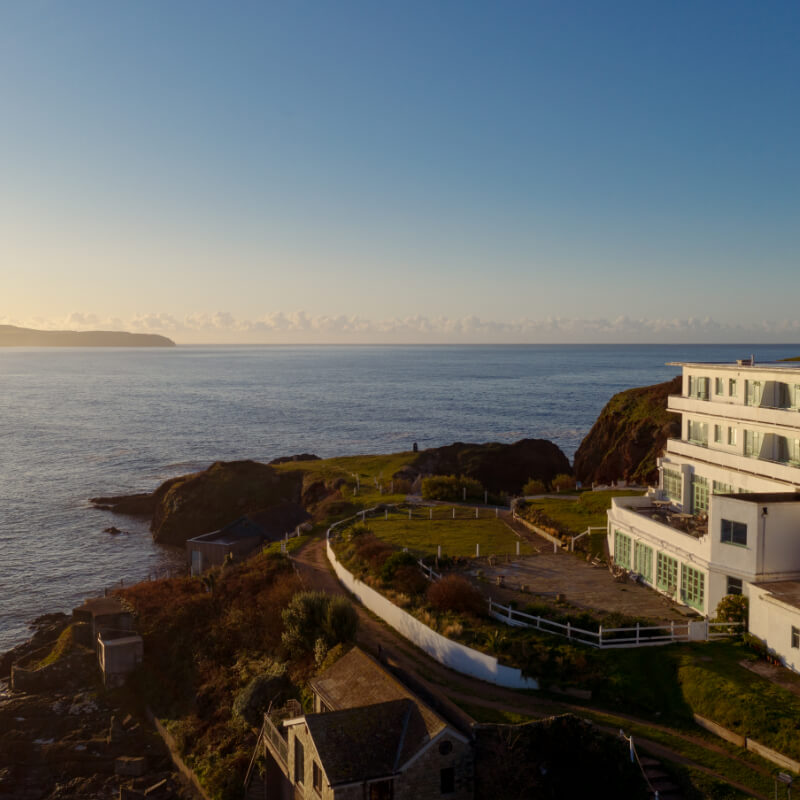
(451, 487)
(409, 580)
(456, 593)
(402, 486)
(311, 616)
(534, 486)
(563, 482)
(732, 608)
(394, 562)
(372, 550)
(251, 703)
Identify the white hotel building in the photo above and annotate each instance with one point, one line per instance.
(725, 517)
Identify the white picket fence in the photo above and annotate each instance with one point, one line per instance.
(634, 636)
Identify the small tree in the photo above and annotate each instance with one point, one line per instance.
(394, 562)
(456, 593)
(314, 616)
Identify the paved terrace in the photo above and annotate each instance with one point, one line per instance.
(581, 584)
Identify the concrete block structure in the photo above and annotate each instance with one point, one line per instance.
(725, 516)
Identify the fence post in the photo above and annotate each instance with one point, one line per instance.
(569, 631)
(490, 606)
(517, 546)
(454, 512)
(430, 513)
(538, 623)
(509, 612)
(476, 512)
(672, 629)
(438, 551)
(386, 514)
(637, 633)
(600, 637)
(409, 513)
(477, 550)
(496, 512)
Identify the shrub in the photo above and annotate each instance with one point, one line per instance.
(563, 482)
(359, 529)
(394, 562)
(402, 486)
(455, 593)
(311, 616)
(251, 703)
(451, 487)
(732, 608)
(409, 580)
(373, 551)
(534, 486)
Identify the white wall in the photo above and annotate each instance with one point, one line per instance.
(772, 621)
(451, 654)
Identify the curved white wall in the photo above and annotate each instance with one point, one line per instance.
(452, 654)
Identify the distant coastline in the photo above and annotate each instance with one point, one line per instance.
(12, 336)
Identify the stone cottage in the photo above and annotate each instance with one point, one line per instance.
(369, 738)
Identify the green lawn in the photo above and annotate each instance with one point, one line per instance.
(457, 537)
(589, 509)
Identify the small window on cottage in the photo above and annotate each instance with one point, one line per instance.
(381, 790)
(795, 637)
(447, 780)
(317, 778)
(299, 761)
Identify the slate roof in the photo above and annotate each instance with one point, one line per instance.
(357, 682)
(363, 743)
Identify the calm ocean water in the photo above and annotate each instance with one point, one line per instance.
(83, 422)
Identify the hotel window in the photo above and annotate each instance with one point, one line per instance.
(734, 585)
(732, 387)
(698, 433)
(752, 393)
(719, 386)
(693, 587)
(622, 549)
(722, 488)
(691, 386)
(643, 561)
(795, 637)
(732, 436)
(317, 778)
(666, 573)
(796, 396)
(699, 494)
(672, 484)
(718, 434)
(734, 532)
(299, 761)
(752, 443)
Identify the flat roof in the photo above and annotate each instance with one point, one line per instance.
(786, 591)
(764, 497)
(765, 365)
(101, 606)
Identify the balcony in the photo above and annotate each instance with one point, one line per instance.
(784, 472)
(731, 410)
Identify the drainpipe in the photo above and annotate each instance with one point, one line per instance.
(763, 543)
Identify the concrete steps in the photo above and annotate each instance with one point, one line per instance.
(660, 780)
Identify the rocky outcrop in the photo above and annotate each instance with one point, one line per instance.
(201, 502)
(206, 501)
(297, 457)
(629, 435)
(499, 467)
(46, 628)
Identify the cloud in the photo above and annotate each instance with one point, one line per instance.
(282, 327)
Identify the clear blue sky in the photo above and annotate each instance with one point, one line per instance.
(402, 171)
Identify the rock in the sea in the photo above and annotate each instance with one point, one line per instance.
(113, 530)
(298, 457)
(134, 505)
(629, 435)
(499, 467)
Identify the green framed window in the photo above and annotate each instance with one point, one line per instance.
(722, 488)
(672, 484)
(734, 532)
(643, 560)
(693, 587)
(666, 573)
(622, 549)
(699, 494)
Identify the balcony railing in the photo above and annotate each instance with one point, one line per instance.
(275, 741)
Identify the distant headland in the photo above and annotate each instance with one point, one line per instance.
(12, 336)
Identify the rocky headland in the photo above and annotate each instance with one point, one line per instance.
(12, 336)
(628, 436)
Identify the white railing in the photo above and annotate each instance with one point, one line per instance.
(633, 636)
(429, 572)
(588, 532)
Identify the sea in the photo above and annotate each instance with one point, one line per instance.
(78, 423)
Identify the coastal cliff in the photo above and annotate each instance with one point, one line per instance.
(12, 336)
(498, 467)
(628, 436)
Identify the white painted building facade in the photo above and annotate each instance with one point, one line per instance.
(725, 517)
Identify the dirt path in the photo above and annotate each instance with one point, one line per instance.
(448, 686)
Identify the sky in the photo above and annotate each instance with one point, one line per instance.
(336, 172)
